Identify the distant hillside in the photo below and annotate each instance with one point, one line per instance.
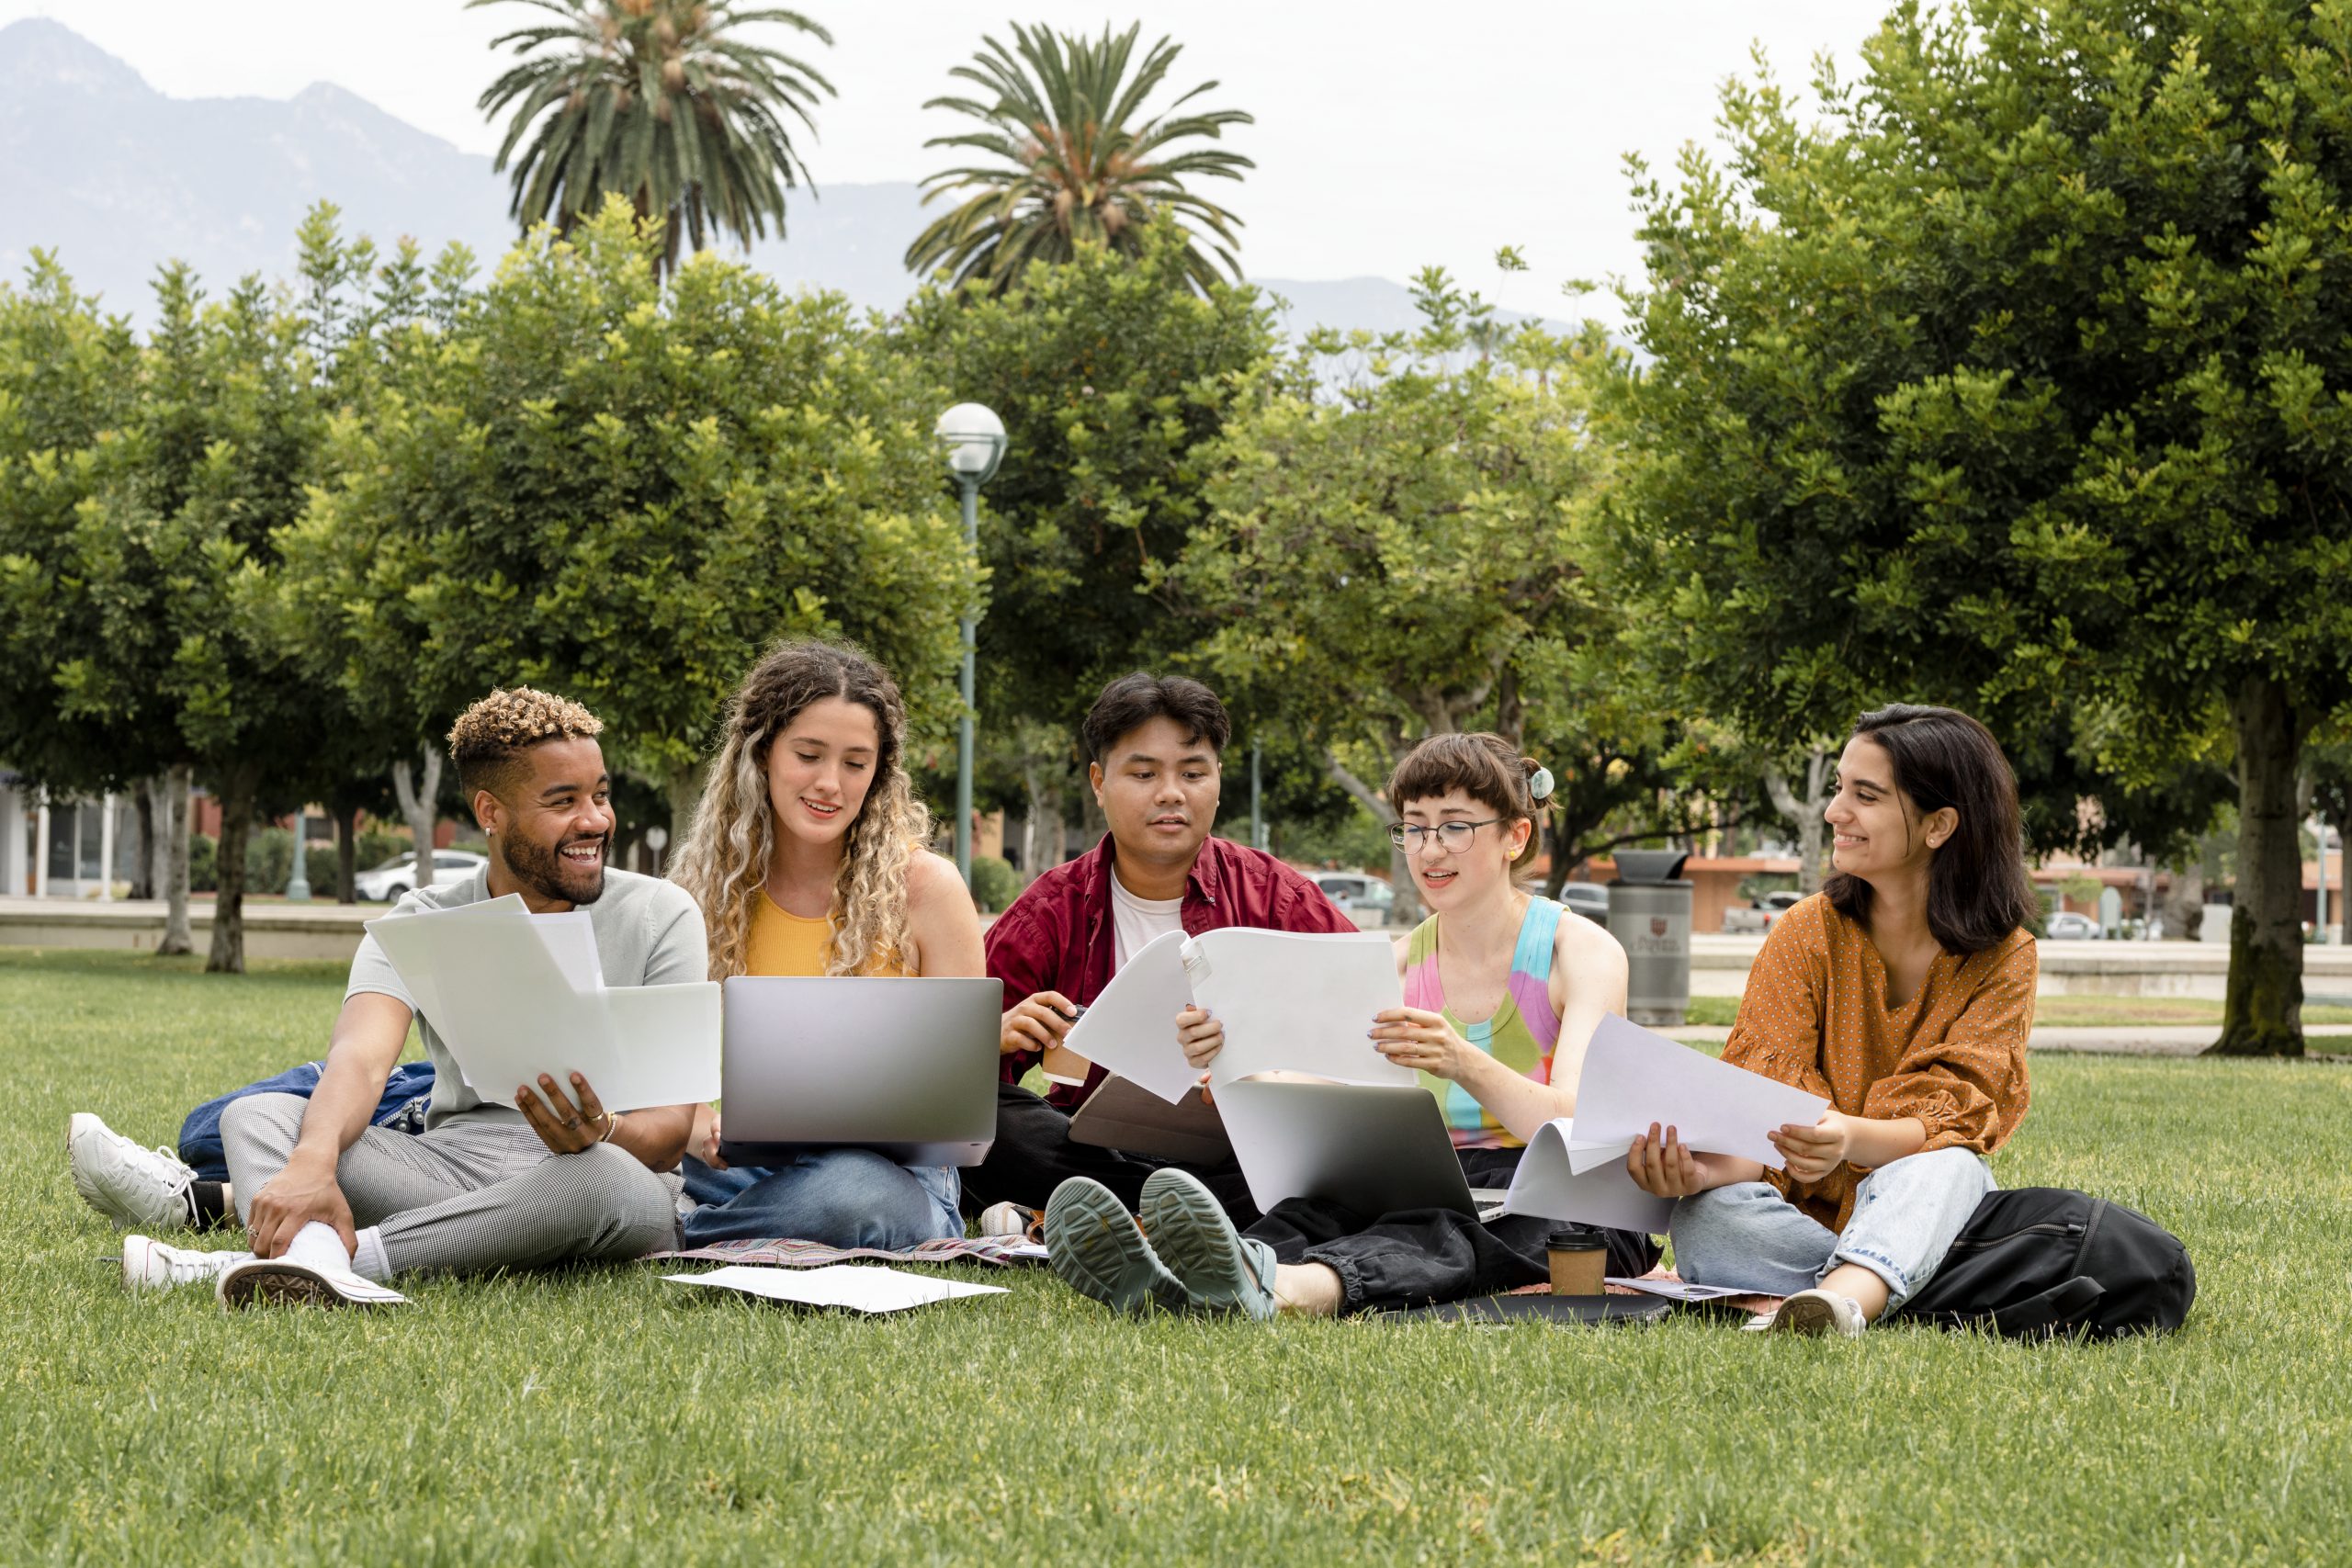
(118, 178)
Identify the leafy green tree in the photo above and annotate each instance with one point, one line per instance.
(623, 488)
(2019, 380)
(1068, 165)
(665, 103)
(1403, 556)
(1109, 375)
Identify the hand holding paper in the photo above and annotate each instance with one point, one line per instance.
(1632, 1079)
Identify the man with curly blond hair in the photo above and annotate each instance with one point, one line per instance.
(335, 1206)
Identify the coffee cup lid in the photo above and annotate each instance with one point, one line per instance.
(1575, 1238)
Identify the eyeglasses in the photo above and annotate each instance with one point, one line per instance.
(1451, 837)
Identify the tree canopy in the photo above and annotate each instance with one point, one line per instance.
(2021, 380)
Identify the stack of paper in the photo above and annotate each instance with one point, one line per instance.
(515, 995)
(1633, 1080)
(859, 1286)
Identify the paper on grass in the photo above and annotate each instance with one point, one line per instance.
(1678, 1289)
(1632, 1078)
(1296, 1003)
(509, 1009)
(1130, 1028)
(1547, 1184)
(859, 1286)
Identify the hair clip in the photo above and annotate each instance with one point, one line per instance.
(1539, 785)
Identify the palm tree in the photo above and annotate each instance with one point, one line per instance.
(1071, 168)
(662, 101)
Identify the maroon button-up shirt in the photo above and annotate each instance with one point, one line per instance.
(1058, 935)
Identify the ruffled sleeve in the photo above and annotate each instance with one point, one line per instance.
(1969, 1086)
(1781, 1014)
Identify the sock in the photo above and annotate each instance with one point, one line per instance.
(316, 1246)
(208, 1204)
(367, 1260)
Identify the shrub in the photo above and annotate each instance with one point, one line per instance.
(203, 863)
(995, 885)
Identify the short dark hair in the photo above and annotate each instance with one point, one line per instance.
(1133, 700)
(1484, 766)
(1978, 890)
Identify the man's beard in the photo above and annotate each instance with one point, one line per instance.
(546, 872)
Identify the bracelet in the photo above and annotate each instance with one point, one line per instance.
(612, 1121)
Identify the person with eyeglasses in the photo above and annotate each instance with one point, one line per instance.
(1502, 991)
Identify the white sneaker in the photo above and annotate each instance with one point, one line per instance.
(149, 1265)
(1820, 1312)
(1008, 1219)
(130, 1186)
(268, 1281)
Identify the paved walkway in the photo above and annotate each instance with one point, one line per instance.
(2114, 1040)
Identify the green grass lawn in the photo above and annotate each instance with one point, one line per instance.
(2071, 1011)
(600, 1416)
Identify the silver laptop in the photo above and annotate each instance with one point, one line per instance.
(1378, 1149)
(905, 1067)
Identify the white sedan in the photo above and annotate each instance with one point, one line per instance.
(382, 884)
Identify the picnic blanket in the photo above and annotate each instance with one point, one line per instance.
(1007, 1251)
(1754, 1305)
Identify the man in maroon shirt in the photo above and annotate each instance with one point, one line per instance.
(1152, 745)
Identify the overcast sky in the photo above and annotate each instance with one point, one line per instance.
(1388, 135)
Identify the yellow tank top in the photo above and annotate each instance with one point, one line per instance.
(782, 943)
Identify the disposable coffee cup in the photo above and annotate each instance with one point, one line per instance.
(1579, 1258)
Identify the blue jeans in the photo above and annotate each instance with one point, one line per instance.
(838, 1196)
(1905, 1216)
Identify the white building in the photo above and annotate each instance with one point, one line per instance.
(58, 849)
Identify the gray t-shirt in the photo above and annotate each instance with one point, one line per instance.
(649, 933)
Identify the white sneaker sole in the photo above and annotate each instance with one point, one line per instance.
(276, 1281)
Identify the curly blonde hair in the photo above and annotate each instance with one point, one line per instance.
(724, 863)
(490, 738)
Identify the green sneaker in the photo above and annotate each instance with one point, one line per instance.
(1093, 1242)
(1221, 1271)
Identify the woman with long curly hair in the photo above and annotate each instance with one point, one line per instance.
(807, 857)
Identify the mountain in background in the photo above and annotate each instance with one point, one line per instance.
(117, 178)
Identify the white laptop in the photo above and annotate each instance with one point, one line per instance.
(906, 1067)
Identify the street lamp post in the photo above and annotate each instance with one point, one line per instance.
(298, 880)
(973, 439)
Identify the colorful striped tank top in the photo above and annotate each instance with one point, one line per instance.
(1520, 1034)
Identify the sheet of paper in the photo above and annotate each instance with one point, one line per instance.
(860, 1287)
(492, 989)
(1632, 1078)
(1547, 1184)
(1293, 1003)
(1130, 1028)
(570, 938)
(1678, 1289)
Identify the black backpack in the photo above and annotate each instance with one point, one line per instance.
(2045, 1261)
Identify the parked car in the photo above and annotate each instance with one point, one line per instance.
(1589, 900)
(1757, 918)
(2068, 926)
(1366, 900)
(398, 875)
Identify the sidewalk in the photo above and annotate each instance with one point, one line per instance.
(2109, 1040)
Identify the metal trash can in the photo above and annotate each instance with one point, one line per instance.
(1649, 914)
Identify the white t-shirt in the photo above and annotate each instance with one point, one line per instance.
(1136, 921)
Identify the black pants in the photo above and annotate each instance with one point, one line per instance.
(1033, 1155)
(1431, 1255)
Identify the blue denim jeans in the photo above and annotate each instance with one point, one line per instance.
(1905, 1216)
(838, 1196)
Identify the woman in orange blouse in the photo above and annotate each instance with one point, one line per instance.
(1902, 994)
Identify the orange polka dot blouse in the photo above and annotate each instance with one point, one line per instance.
(1815, 1016)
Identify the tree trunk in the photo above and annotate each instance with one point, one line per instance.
(421, 806)
(1804, 815)
(684, 792)
(2184, 900)
(1407, 908)
(1043, 838)
(142, 797)
(239, 787)
(179, 779)
(346, 854)
(2262, 1012)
